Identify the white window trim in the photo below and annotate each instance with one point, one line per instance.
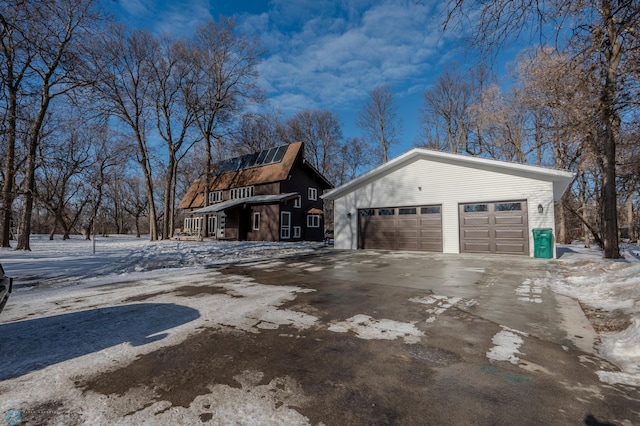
(312, 194)
(297, 231)
(242, 192)
(312, 219)
(297, 202)
(285, 231)
(255, 224)
(215, 197)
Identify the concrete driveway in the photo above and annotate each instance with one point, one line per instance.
(498, 347)
(364, 338)
(400, 338)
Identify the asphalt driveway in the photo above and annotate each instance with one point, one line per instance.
(336, 338)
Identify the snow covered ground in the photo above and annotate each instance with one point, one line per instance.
(610, 288)
(118, 258)
(69, 279)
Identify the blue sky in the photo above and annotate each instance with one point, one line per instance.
(325, 54)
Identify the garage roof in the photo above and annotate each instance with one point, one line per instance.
(561, 179)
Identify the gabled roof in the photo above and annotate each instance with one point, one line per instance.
(268, 166)
(561, 179)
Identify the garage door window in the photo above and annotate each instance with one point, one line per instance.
(476, 208)
(430, 210)
(386, 212)
(508, 207)
(367, 212)
(407, 211)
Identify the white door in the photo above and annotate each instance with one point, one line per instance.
(211, 225)
(285, 225)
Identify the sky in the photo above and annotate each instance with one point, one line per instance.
(327, 54)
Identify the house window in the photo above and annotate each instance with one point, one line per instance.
(296, 232)
(508, 207)
(410, 210)
(297, 202)
(313, 221)
(476, 208)
(256, 221)
(430, 210)
(313, 194)
(244, 192)
(215, 197)
(192, 224)
(285, 225)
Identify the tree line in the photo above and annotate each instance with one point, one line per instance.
(103, 126)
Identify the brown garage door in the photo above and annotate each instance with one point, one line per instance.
(401, 228)
(498, 227)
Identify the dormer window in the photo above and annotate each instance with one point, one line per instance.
(215, 197)
(244, 192)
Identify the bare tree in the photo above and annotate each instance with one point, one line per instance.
(42, 50)
(123, 60)
(171, 87)
(604, 34)
(356, 157)
(449, 123)
(225, 71)
(321, 134)
(256, 132)
(379, 120)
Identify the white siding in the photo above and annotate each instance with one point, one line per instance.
(431, 182)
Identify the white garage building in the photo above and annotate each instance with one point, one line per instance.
(433, 201)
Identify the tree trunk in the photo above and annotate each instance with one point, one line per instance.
(613, 54)
(148, 179)
(167, 222)
(8, 194)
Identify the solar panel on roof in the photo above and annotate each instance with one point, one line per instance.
(280, 154)
(269, 158)
(261, 157)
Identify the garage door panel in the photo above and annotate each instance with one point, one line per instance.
(476, 220)
(477, 247)
(517, 234)
(501, 227)
(509, 248)
(407, 223)
(408, 228)
(476, 233)
(509, 220)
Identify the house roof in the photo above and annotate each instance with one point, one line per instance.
(561, 179)
(245, 171)
(257, 199)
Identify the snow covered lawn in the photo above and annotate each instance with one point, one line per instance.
(609, 291)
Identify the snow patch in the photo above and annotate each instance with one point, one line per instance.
(369, 328)
(439, 304)
(530, 291)
(507, 344)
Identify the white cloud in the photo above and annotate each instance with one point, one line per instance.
(333, 56)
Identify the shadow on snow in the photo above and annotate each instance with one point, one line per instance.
(34, 344)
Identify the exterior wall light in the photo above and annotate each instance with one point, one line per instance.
(540, 209)
(349, 215)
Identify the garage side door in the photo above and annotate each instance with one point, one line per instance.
(496, 227)
(401, 228)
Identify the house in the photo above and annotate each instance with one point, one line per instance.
(426, 200)
(272, 195)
